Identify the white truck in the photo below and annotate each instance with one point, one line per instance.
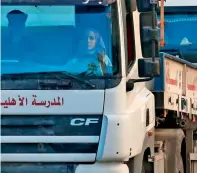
(140, 118)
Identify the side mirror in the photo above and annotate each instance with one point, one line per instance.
(149, 34)
(149, 68)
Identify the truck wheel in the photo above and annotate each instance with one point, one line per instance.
(143, 169)
(147, 167)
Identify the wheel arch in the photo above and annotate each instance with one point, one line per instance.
(135, 163)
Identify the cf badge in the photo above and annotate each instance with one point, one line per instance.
(83, 121)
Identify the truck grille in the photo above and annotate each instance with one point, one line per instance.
(38, 168)
(50, 138)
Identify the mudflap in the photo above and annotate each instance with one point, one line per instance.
(172, 141)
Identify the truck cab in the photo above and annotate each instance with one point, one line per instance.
(81, 86)
(67, 100)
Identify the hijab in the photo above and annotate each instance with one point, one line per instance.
(99, 44)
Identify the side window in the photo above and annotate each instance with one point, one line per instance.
(130, 40)
(129, 37)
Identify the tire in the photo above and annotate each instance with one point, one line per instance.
(147, 167)
(143, 169)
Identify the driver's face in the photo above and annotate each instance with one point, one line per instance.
(91, 40)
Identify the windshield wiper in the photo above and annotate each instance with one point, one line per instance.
(71, 76)
(56, 75)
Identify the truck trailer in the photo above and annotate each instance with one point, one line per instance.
(99, 86)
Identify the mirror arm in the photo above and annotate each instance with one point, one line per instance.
(130, 83)
(141, 80)
(154, 26)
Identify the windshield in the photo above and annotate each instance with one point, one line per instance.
(74, 39)
(181, 35)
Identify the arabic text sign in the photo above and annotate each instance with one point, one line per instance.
(54, 2)
(24, 101)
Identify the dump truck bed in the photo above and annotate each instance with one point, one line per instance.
(176, 88)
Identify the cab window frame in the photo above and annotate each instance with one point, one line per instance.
(128, 17)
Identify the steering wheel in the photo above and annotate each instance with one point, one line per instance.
(85, 73)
